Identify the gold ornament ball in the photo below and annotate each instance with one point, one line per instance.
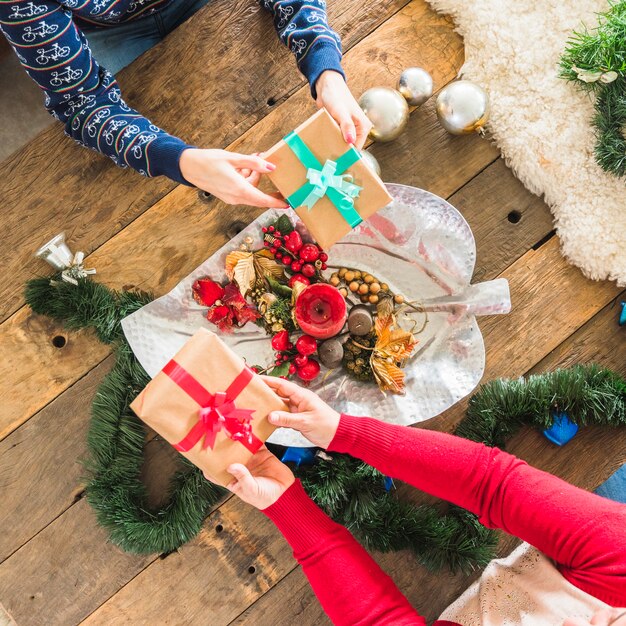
(416, 85)
(370, 160)
(462, 107)
(387, 110)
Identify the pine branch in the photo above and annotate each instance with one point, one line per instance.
(600, 49)
(86, 305)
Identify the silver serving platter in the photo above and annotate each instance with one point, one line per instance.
(423, 248)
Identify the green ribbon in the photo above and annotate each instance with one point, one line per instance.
(327, 180)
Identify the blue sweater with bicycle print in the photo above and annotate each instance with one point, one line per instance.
(47, 38)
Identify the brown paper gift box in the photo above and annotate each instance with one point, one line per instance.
(323, 137)
(172, 413)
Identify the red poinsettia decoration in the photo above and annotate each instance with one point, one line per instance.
(227, 307)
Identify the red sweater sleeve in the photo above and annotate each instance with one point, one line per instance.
(582, 532)
(349, 584)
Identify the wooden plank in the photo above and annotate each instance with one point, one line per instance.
(54, 185)
(67, 567)
(237, 557)
(183, 231)
(43, 459)
(506, 219)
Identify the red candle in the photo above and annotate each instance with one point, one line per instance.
(321, 311)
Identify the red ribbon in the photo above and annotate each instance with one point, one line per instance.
(218, 411)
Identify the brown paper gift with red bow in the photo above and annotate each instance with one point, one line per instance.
(209, 405)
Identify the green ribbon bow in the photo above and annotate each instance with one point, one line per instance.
(327, 180)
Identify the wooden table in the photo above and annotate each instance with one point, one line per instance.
(240, 90)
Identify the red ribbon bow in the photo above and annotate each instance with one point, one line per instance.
(218, 411)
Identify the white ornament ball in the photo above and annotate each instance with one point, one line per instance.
(387, 110)
(416, 85)
(462, 107)
(370, 160)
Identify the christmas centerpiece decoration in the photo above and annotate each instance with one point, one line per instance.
(282, 287)
(594, 61)
(325, 180)
(386, 318)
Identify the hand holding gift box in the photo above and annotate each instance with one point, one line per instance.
(325, 180)
(209, 405)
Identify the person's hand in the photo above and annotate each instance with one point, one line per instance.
(333, 94)
(309, 415)
(229, 176)
(603, 617)
(262, 481)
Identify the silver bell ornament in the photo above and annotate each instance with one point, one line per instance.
(416, 85)
(462, 107)
(387, 110)
(370, 160)
(56, 252)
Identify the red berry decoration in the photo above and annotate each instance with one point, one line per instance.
(298, 278)
(272, 229)
(309, 371)
(323, 257)
(292, 369)
(296, 266)
(287, 260)
(293, 241)
(280, 341)
(301, 360)
(306, 345)
(308, 270)
(309, 252)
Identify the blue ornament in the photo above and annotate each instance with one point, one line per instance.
(562, 430)
(388, 483)
(299, 456)
(622, 315)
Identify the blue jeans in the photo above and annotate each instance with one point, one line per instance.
(115, 47)
(615, 487)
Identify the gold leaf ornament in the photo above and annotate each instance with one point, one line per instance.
(393, 348)
(246, 268)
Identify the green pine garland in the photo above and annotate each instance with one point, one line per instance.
(603, 50)
(350, 491)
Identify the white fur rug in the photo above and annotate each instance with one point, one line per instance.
(542, 123)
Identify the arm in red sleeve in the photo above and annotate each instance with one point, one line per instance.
(584, 533)
(349, 584)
